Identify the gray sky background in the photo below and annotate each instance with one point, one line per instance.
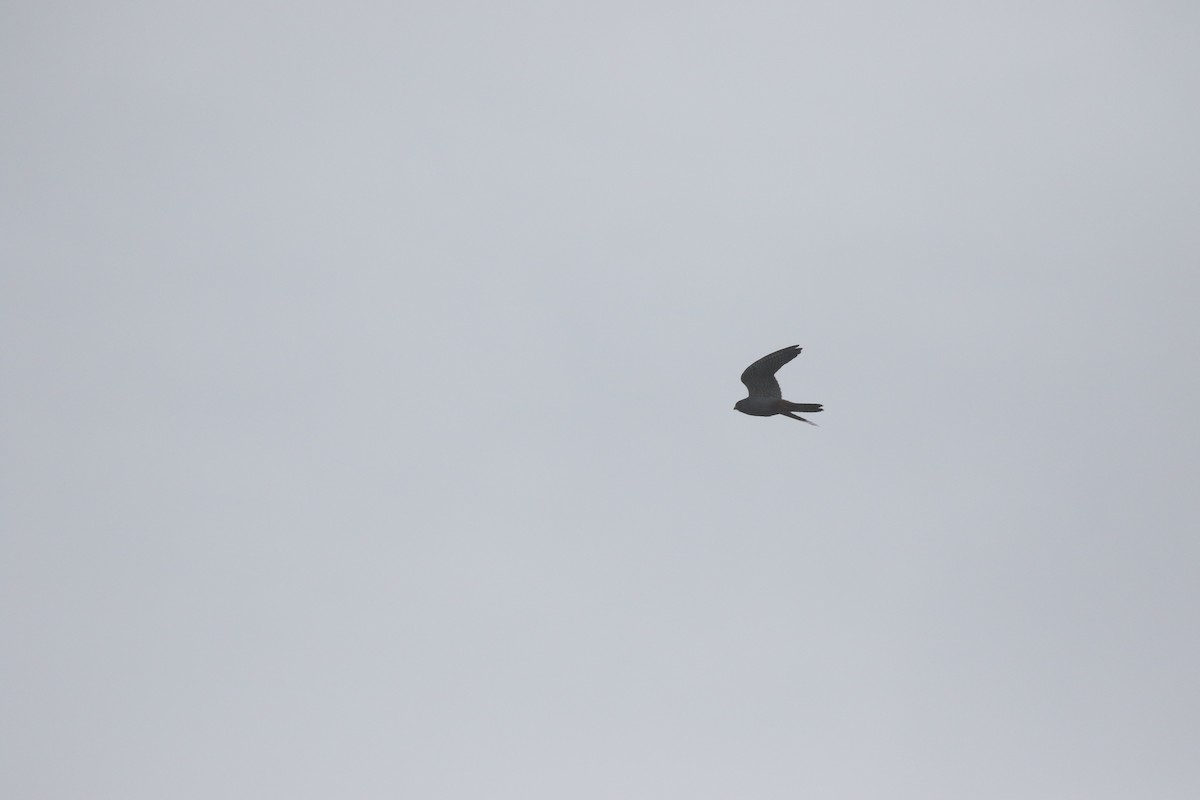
(368, 373)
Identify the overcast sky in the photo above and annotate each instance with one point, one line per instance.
(368, 373)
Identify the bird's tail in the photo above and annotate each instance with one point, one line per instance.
(811, 407)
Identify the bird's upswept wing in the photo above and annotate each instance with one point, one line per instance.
(759, 377)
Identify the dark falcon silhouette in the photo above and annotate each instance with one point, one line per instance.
(765, 398)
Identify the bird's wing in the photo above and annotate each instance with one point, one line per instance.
(759, 377)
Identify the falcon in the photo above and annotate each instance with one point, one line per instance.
(765, 398)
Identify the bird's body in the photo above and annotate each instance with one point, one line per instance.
(766, 398)
(758, 406)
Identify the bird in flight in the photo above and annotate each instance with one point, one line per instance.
(765, 398)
